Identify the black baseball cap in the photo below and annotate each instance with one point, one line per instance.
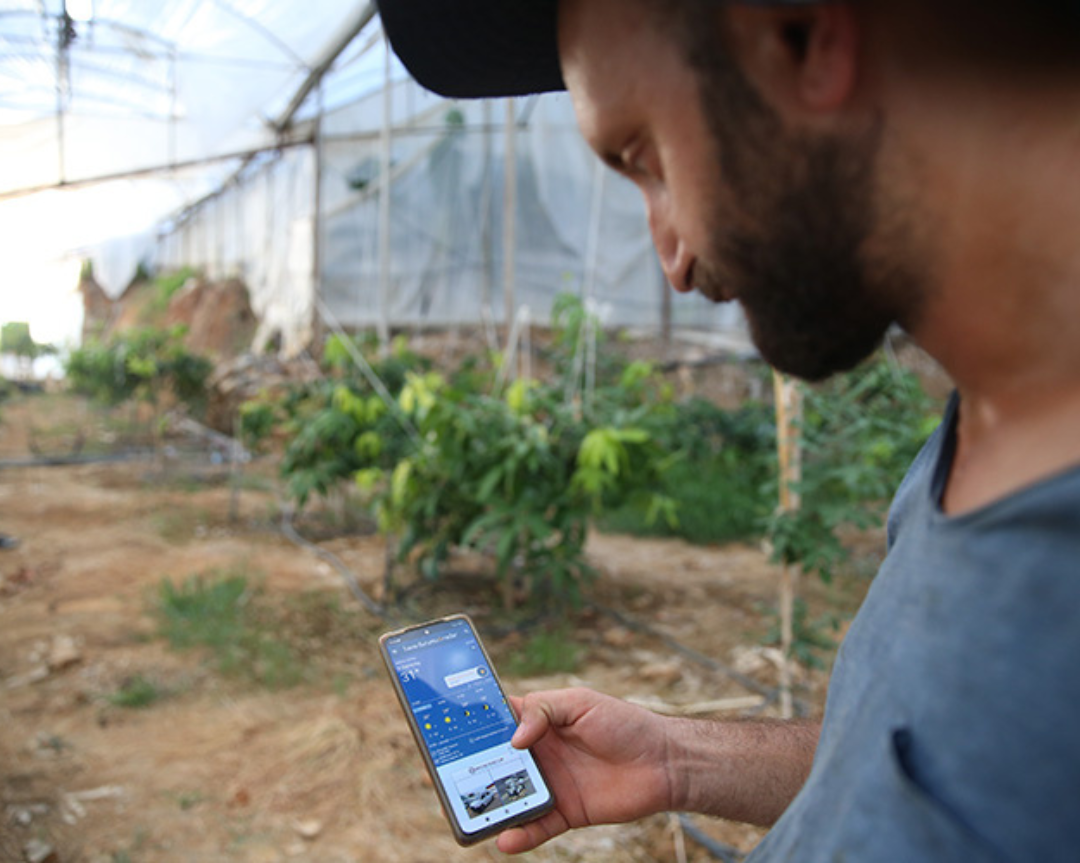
(483, 48)
(476, 48)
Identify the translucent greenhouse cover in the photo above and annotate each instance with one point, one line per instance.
(166, 97)
(260, 139)
(135, 85)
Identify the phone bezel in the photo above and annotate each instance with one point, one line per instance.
(462, 838)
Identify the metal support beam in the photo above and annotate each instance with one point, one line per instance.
(349, 31)
(385, 185)
(156, 169)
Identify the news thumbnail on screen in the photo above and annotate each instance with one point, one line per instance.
(488, 787)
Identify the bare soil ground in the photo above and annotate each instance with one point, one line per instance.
(220, 769)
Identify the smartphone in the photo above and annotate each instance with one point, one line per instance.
(463, 722)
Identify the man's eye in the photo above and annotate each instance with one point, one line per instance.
(640, 162)
(632, 160)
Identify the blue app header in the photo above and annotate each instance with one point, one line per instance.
(450, 690)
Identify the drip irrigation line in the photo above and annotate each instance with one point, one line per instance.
(68, 460)
(290, 533)
(718, 850)
(801, 707)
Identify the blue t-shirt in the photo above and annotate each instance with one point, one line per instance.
(949, 730)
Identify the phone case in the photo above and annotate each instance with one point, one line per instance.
(462, 838)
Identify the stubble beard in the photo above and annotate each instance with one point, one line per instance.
(797, 254)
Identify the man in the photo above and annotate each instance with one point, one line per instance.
(838, 167)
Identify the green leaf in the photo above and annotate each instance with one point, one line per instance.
(488, 483)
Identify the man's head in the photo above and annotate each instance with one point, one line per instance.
(761, 137)
(741, 205)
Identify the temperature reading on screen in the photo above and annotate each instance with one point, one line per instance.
(464, 725)
(409, 672)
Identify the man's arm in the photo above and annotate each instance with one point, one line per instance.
(744, 770)
(609, 762)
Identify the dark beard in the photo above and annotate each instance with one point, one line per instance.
(800, 272)
(796, 251)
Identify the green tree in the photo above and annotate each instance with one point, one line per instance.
(860, 432)
(15, 339)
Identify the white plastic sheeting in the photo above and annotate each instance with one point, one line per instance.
(148, 85)
(446, 210)
(189, 90)
(260, 228)
(579, 228)
(167, 98)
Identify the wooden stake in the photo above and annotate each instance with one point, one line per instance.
(677, 835)
(510, 216)
(789, 457)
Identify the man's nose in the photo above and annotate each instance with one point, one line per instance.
(675, 258)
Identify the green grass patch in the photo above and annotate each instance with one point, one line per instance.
(178, 525)
(219, 612)
(136, 692)
(187, 800)
(550, 651)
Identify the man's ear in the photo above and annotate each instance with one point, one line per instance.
(804, 59)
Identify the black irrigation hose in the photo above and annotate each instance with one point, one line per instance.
(290, 533)
(718, 850)
(67, 460)
(801, 707)
(770, 695)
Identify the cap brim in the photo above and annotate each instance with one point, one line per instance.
(476, 48)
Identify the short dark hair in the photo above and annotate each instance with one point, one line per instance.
(1010, 35)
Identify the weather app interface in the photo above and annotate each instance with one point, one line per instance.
(466, 724)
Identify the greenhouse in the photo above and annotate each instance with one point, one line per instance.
(605, 431)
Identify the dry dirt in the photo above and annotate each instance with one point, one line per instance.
(221, 769)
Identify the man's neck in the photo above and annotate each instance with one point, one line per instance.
(1001, 451)
(1004, 194)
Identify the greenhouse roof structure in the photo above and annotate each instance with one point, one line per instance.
(92, 90)
(279, 142)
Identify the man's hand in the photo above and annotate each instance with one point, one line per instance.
(606, 761)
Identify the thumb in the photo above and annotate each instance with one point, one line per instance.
(535, 716)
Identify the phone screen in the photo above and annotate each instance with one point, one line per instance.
(462, 719)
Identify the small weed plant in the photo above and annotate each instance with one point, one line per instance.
(813, 641)
(136, 692)
(165, 286)
(548, 651)
(218, 612)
